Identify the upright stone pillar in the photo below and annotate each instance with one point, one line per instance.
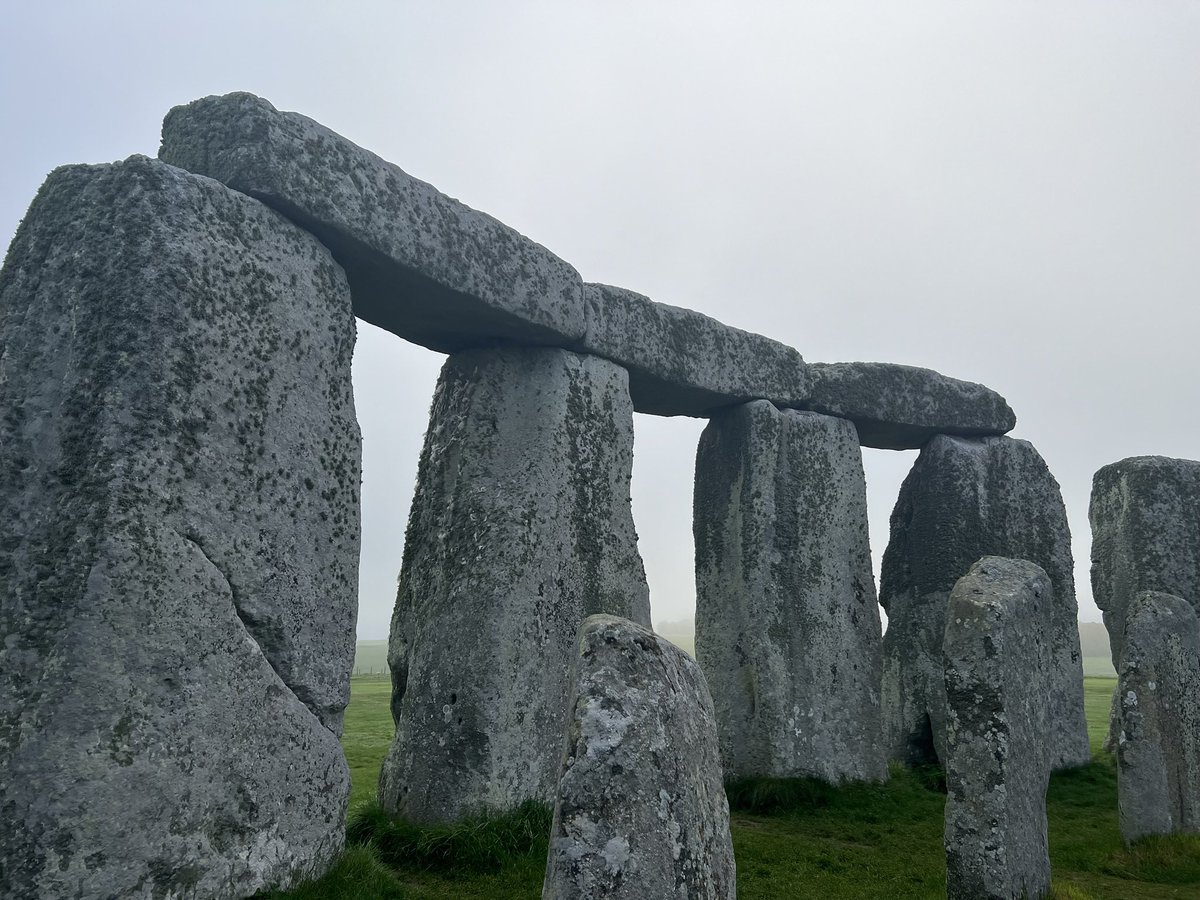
(787, 625)
(997, 661)
(179, 474)
(1158, 691)
(964, 499)
(520, 528)
(1145, 517)
(640, 809)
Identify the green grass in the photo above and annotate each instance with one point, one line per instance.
(792, 837)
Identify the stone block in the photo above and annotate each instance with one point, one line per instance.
(521, 527)
(683, 363)
(898, 407)
(964, 499)
(1158, 744)
(179, 477)
(787, 623)
(997, 658)
(421, 264)
(640, 809)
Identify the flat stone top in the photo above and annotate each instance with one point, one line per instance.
(420, 264)
(899, 407)
(436, 272)
(1152, 466)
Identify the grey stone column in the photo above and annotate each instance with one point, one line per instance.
(1158, 694)
(1145, 517)
(964, 499)
(641, 809)
(179, 476)
(997, 661)
(787, 624)
(520, 528)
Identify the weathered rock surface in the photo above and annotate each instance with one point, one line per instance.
(787, 624)
(964, 499)
(998, 663)
(421, 265)
(640, 809)
(179, 476)
(1158, 749)
(520, 528)
(1145, 517)
(683, 363)
(901, 407)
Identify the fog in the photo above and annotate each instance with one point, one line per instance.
(1007, 192)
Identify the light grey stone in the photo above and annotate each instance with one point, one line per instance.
(421, 265)
(1145, 517)
(179, 477)
(998, 663)
(901, 407)
(787, 623)
(1158, 748)
(964, 499)
(520, 528)
(640, 809)
(683, 363)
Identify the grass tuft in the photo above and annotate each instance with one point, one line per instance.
(1068, 892)
(482, 843)
(771, 796)
(358, 875)
(1160, 859)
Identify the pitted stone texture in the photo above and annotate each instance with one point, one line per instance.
(901, 407)
(1145, 516)
(179, 474)
(787, 624)
(998, 663)
(520, 528)
(640, 809)
(421, 265)
(682, 363)
(964, 499)
(1158, 688)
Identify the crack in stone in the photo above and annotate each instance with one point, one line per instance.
(251, 626)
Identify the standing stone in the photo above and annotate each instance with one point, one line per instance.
(520, 528)
(640, 809)
(179, 473)
(964, 499)
(1158, 749)
(787, 624)
(998, 664)
(1145, 517)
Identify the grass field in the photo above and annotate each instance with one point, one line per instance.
(791, 839)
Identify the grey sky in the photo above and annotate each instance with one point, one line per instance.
(1008, 192)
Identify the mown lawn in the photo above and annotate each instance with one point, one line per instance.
(791, 839)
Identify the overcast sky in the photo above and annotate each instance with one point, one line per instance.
(1007, 192)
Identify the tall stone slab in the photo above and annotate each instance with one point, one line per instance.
(1145, 517)
(964, 499)
(520, 528)
(179, 476)
(787, 624)
(998, 663)
(640, 809)
(1158, 690)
